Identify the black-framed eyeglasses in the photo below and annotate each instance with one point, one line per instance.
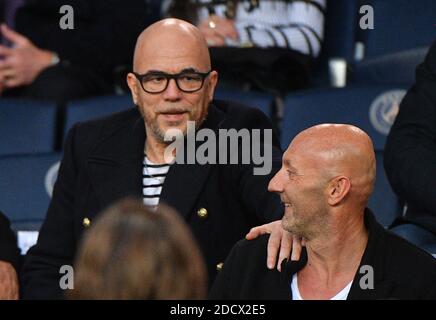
(157, 82)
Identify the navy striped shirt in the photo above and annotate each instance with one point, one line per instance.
(153, 178)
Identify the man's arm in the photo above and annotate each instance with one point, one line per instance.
(281, 244)
(410, 152)
(267, 206)
(55, 246)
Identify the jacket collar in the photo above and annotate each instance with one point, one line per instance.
(374, 257)
(373, 263)
(115, 164)
(184, 182)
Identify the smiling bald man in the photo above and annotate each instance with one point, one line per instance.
(327, 176)
(123, 155)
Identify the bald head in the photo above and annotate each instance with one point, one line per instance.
(173, 60)
(170, 40)
(326, 179)
(339, 149)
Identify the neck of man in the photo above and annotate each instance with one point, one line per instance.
(155, 149)
(334, 256)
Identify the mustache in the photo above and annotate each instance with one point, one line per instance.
(172, 110)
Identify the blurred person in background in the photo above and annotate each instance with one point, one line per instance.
(41, 60)
(134, 252)
(9, 261)
(267, 45)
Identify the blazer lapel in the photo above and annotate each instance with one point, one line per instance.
(184, 182)
(374, 260)
(115, 165)
(183, 185)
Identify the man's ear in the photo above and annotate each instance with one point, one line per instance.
(213, 80)
(133, 86)
(338, 189)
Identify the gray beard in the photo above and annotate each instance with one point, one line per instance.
(160, 135)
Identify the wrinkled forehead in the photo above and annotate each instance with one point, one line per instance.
(171, 53)
(307, 153)
(298, 156)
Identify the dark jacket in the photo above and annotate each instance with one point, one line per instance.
(9, 251)
(104, 34)
(103, 162)
(401, 270)
(410, 151)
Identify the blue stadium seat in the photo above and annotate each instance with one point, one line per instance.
(87, 109)
(372, 109)
(417, 235)
(258, 100)
(25, 184)
(26, 126)
(341, 21)
(400, 25)
(340, 26)
(394, 68)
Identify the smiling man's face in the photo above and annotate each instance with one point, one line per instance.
(301, 185)
(172, 47)
(326, 167)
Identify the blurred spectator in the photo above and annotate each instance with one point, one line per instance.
(9, 261)
(133, 252)
(271, 44)
(8, 9)
(45, 61)
(410, 156)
